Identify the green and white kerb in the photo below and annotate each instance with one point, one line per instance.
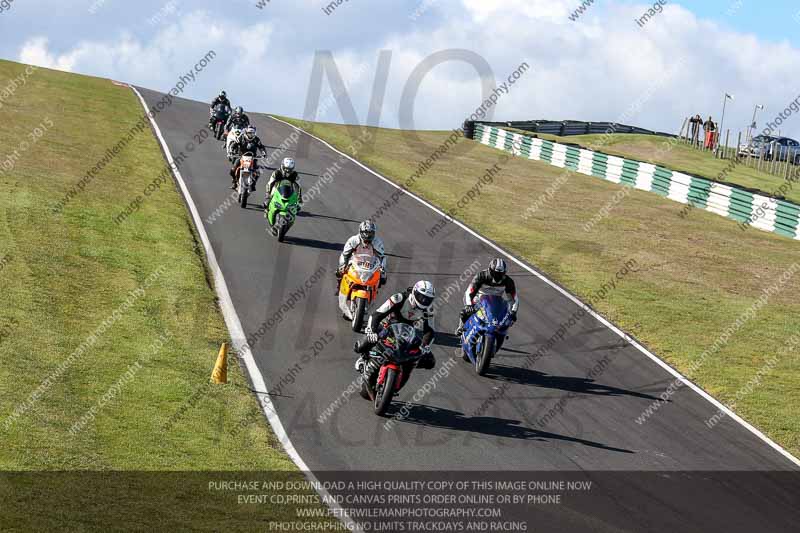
(758, 211)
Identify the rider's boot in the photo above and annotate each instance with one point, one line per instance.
(233, 177)
(460, 329)
(361, 348)
(338, 285)
(360, 362)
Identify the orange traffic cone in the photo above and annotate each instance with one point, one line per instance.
(220, 373)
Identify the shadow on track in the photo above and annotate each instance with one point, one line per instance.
(314, 243)
(438, 417)
(397, 256)
(304, 214)
(579, 385)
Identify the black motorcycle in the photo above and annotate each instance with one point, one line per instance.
(219, 116)
(390, 363)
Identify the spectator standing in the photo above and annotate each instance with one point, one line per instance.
(710, 128)
(695, 123)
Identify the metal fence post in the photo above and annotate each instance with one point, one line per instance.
(738, 143)
(774, 157)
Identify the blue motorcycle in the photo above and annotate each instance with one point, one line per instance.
(485, 331)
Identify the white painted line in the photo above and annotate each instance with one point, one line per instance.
(563, 291)
(237, 332)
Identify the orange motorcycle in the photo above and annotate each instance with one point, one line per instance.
(359, 288)
(246, 175)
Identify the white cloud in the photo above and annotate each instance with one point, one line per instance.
(35, 52)
(592, 69)
(483, 11)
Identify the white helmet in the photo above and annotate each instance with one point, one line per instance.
(367, 230)
(250, 133)
(422, 295)
(287, 165)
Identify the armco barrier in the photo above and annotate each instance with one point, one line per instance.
(564, 128)
(759, 211)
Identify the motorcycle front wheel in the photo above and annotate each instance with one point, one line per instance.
(358, 314)
(484, 356)
(384, 392)
(283, 227)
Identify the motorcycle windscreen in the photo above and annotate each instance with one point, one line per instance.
(494, 306)
(285, 190)
(404, 338)
(365, 266)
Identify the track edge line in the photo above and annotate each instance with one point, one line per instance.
(236, 330)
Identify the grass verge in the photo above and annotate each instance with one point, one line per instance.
(698, 274)
(136, 396)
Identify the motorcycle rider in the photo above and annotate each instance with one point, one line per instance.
(237, 120)
(248, 142)
(285, 172)
(409, 307)
(222, 98)
(493, 280)
(365, 242)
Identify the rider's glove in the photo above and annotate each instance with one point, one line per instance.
(427, 361)
(383, 279)
(371, 337)
(341, 269)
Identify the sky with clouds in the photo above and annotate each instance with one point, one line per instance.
(601, 67)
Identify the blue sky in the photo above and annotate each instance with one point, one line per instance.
(773, 20)
(599, 67)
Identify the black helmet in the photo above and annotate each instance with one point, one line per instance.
(367, 231)
(222, 94)
(239, 110)
(497, 269)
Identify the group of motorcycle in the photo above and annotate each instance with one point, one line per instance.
(400, 347)
(392, 360)
(284, 204)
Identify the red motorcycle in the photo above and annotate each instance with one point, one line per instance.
(390, 363)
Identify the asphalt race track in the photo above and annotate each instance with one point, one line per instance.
(594, 427)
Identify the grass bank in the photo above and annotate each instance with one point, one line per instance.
(698, 275)
(108, 331)
(680, 157)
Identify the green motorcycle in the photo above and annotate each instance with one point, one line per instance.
(283, 208)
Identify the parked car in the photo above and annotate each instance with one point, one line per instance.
(757, 147)
(768, 146)
(787, 149)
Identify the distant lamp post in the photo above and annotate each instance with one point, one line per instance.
(722, 120)
(752, 127)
